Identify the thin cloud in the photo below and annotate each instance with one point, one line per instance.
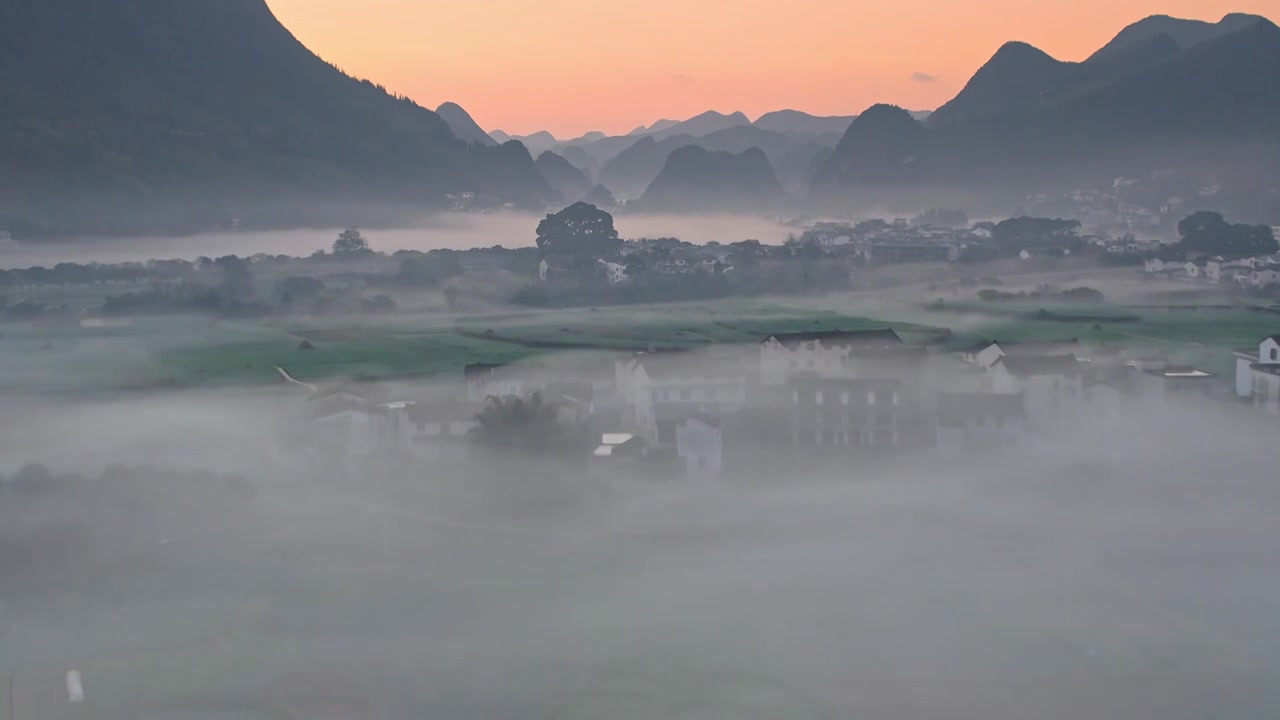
(923, 77)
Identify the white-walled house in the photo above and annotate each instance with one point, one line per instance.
(1265, 275)
(1052, 385)
(1176, 382)
(1258, 375)
(661, 389)
(829, 353)
(977, 421)
(615, 273)
(986, 353)
(700, 443)
(844, 414)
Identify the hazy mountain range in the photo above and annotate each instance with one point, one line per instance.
(1164, 95)
(168, 115)
(171, 115)
(693, 179)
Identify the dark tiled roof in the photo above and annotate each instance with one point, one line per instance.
(475, 370)
(692, 365)
(840, 338)
(1027, 365)
(1025, 347)
(953, 408)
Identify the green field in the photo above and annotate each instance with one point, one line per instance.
(1205, 338)
(188, 351)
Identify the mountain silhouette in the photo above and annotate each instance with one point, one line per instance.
(696, 180)
(601, 198)
(1017, 78)
(1147, 104)
(463, 127)
(657, 126)
(802, 123)
(569, 181)
(171, 115)
(699, 125)
(882, 145)
(1185, 33)
(790, 155)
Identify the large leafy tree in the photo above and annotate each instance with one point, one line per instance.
(527, 424)
(1209, 232)
(237, 277)
(351, 242)
(580, 229)
(1027, 233)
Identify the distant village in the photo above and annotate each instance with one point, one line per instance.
(841, 395)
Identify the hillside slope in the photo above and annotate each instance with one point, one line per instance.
(698, 180)
(137, 115)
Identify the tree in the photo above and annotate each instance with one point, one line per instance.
(237, 278)
(1209, 232)
(1026, 233)
(579, 229)
(525, 424)
(636, 266)
(430, 269)
(301, 287)
(351, 243)
(451, 296)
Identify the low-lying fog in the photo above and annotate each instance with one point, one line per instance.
(456, 231)
(1125, 569)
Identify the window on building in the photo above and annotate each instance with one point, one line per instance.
(795, 397)
(817, 397)
(895, 397)
(1274, 353)
(817, 437)
(844, 398)
(871, 397)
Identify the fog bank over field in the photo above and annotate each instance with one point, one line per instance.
(1117, 571)
(457, 231)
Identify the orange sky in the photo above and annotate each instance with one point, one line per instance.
(570, 66)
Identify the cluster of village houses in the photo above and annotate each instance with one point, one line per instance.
(1256, 272)
(826, 393)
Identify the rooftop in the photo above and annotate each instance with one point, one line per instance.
(1180, 372)
(839, 338)
(1027, 365)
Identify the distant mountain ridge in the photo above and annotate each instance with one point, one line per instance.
(462, 125)
(795, 121)
(169, 115)
(1185, 33)
(1025, 116)
(698, 180)
(572, 183)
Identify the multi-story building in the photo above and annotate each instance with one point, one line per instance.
(661, 389)
(845, 413)
(834, 353)
(1258, 375)
(1052, 385)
